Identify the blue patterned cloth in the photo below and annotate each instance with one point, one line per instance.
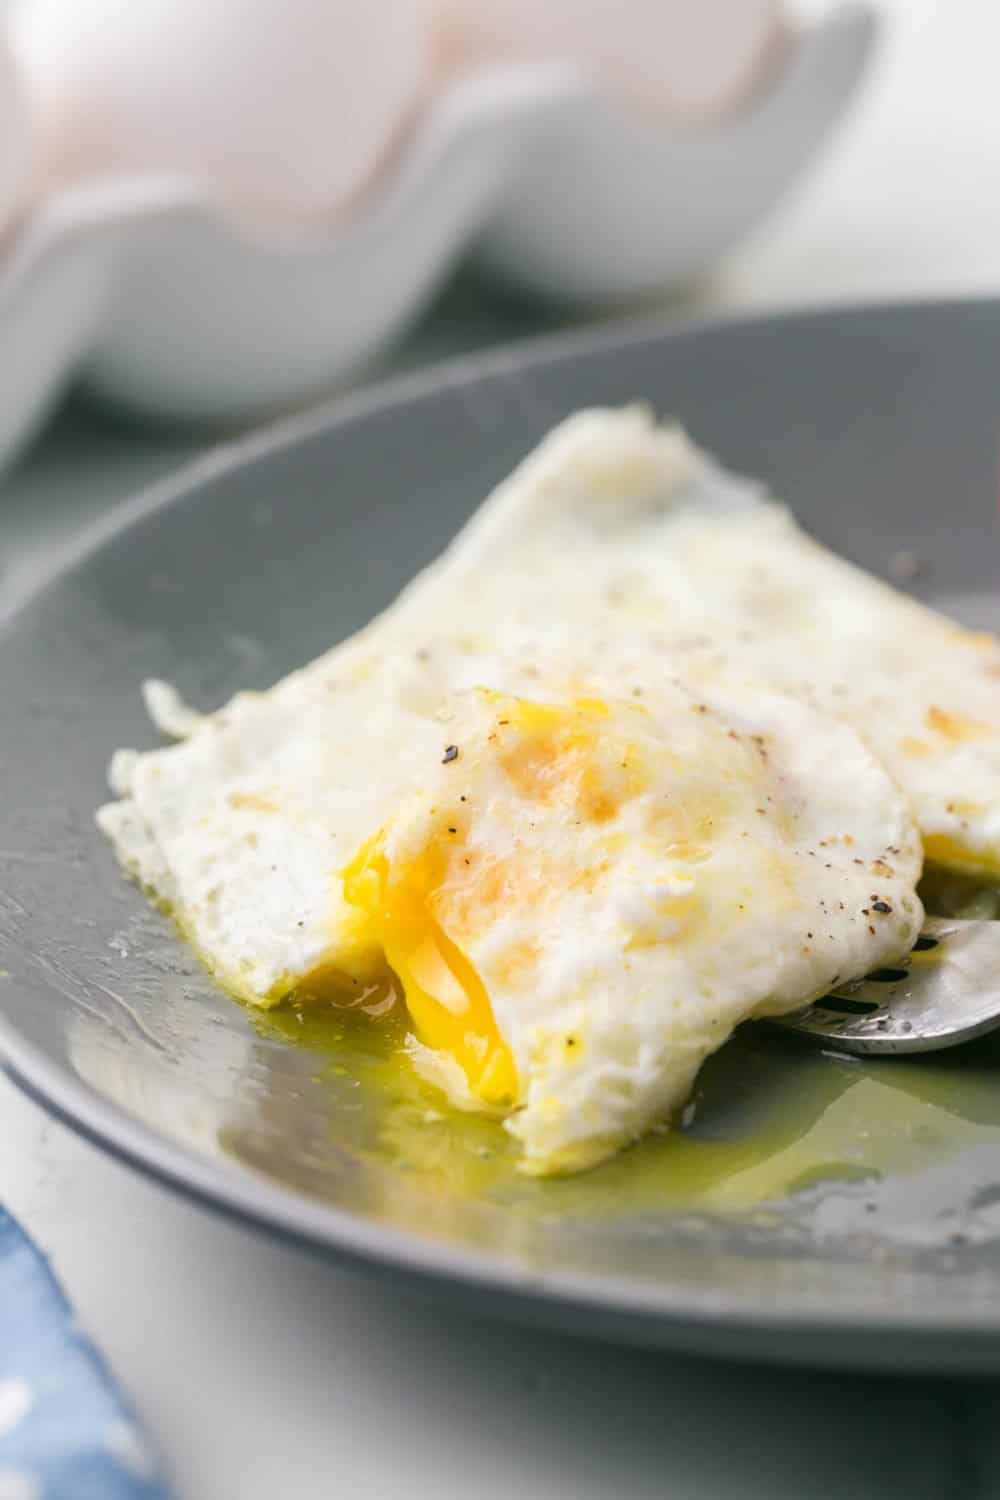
(66, 1433)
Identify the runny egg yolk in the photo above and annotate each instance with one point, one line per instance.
(411, 910)
(446, 999)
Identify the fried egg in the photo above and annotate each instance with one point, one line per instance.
(585, 899)
(578, 896)
(641, 794)
(619, 536)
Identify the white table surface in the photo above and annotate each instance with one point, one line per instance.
(265, 1375)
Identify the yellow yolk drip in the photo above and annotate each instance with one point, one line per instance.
(446, 999)
(942, 849)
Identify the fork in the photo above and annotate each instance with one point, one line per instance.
(946, 991)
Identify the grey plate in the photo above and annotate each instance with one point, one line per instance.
(880, 424)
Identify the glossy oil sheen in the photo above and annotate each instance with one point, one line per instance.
(810, 1208)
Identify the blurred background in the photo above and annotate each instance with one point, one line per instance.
(213, 211)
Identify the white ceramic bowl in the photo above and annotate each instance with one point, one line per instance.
(144, 290)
